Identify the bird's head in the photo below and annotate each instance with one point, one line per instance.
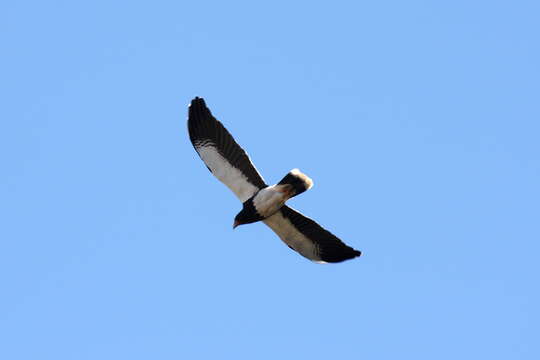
(240, 219)
(247, 215)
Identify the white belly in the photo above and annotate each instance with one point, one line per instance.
(269, 200)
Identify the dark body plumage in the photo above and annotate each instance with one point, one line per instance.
(260, 202)
(248, 214)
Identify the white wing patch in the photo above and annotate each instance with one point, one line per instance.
(226, 173)
(290, 235)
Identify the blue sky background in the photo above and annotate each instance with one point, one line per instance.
(417, 120)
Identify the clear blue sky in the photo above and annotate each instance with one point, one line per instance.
(419, 122)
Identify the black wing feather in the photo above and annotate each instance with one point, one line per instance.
(205, 129)
(329, 247)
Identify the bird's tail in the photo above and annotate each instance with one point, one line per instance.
(299, 181)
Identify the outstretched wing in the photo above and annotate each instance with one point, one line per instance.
(221, 154)
(308, 238)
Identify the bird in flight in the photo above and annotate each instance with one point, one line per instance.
(227, 161)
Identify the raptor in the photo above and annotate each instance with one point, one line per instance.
(227, 161)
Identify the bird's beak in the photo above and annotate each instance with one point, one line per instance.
(235, 224)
